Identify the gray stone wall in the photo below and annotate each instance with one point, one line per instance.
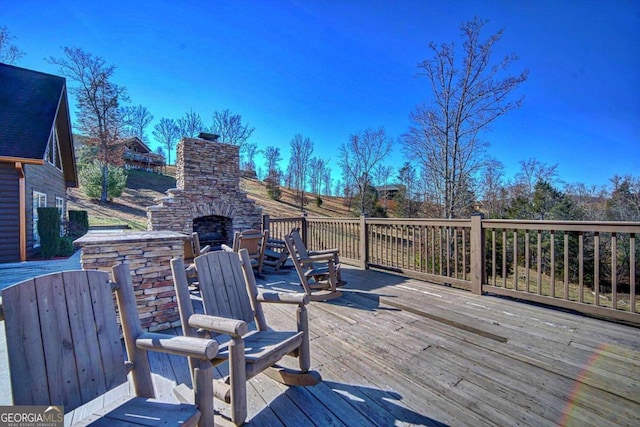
(148, 255)
(208, 183)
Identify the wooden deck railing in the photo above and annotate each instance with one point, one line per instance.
(590, 267)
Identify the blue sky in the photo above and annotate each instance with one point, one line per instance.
(327, 69)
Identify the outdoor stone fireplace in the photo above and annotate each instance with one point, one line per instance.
(207, 199)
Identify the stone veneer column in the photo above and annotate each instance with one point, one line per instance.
(207, 183)
(148, 254)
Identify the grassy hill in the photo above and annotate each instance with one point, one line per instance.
(143, 188)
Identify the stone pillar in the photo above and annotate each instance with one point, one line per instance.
(149, 254)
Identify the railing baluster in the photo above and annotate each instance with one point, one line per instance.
(581, 267)
(539, 263)
(566, 265)
(433, 250)
(527, 264)
(614, 273)
(448, 235)
(504, 257)
(632, 271)
(596, 267)
(493, 256)
(464, 254)
(455, 252)
(552, 273)
(441, 249)
(515, 260)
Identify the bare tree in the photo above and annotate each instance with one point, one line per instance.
(272, 155)
(338, 187)
(533, 171)
(136, 120)
(98, 101)
(326, 179)
(251, 149)
(381, 175)
(316, 173)
(407, 177)
(166, 133)
(190, 125)
(493, 189)
(591, 199)
(9, 53)
(301, 151)
(361, 154)
(469, 93)
(230, 128)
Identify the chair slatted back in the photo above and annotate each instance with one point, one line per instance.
(249, 240)
(301, 249)
(222, 285)
(63, 341)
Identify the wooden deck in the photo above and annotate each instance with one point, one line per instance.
(396, 351)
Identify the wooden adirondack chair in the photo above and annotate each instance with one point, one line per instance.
(231, 302)
(64, 348)
(275, 253)
(318, 274)
(301, 249)
(254, 242)
(192, 249)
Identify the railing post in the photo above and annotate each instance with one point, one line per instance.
(304, 229)
(364, 256)
(265, 222)
(477, 254)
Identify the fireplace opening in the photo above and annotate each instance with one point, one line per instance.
(214, 230)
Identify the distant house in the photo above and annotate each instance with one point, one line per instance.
(138, 156)
(389, 192)
(37, 162)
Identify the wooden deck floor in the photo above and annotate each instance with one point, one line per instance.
(396, 351)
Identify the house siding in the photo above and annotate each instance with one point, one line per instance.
(9, 214)
(45, 179)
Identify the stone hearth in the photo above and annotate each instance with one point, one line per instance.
(207, 199)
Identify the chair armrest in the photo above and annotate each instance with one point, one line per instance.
(199, 348)
(324, 251)
(226, 248)
(284, 298)
(191, 271)
(321, 257)
(205, 249)
(220, 325)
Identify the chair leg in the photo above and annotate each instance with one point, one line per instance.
(203, 392)
(304, 352)
(238, 381)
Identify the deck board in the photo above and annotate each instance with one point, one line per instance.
(397, 351)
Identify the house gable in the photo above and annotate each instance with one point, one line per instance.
(37, 159)
(32, 104)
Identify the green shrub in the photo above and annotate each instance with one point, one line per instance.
(273, 189)
(78, 223)
(91, 181)
(318, 201)
(49, 231)
(66, 246)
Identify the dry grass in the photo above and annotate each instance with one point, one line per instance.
(144, 188)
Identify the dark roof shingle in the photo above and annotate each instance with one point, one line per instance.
(28, 104)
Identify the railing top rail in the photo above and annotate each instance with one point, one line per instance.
(419, 221)
(584, 226)
(331, 219)
(286, 219)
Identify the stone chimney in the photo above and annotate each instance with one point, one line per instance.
(208, 197)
